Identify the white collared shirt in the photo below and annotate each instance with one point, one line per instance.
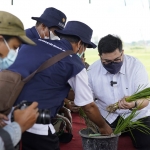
(79, 84)
(131, 75)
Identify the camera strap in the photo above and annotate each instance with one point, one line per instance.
(6, 139)
(49, 63)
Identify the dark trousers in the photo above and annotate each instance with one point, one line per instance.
(32, 141)
(140, 140)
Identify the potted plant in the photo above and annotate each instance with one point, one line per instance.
(92, 138)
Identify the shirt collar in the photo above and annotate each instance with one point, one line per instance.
(122, 70)
(104, 71)
(38, 33)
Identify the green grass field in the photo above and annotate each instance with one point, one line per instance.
(143, 54)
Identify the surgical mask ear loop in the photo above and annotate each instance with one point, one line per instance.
(6, 44)
(78, 49)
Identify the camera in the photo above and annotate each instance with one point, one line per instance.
(44, 114)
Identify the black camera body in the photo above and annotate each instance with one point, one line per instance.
(44, 114)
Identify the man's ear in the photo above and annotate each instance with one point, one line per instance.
(43, 26)
(1, 37)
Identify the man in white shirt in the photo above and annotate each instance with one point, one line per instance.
(115, 76)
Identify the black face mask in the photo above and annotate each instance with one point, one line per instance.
(113, 67)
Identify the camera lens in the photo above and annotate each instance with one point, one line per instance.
(44, 117)
(44, 114)
(39, 119)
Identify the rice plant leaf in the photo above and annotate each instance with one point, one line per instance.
(141, 94)
(131, 134)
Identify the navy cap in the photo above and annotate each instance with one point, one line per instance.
(79, 29)
(52, 17)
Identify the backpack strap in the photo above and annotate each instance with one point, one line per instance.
(6, 139)
(49, 63)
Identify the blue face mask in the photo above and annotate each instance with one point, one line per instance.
(113, 67)
(80, 55)
(9, 59)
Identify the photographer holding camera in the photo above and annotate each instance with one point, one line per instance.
(11, 36)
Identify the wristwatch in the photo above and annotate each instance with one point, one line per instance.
(135, 106)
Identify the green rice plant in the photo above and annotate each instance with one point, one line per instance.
(143, 94)
(127, 124)
(123, 125)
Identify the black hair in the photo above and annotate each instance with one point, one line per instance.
(8, 37)
(83, 55)
(70, 38)
(38, 23)
(54, 27)
(109, 44)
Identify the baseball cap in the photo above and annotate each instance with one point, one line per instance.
(52, 17)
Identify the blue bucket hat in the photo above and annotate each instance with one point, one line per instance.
(79, 29)
(52, 17)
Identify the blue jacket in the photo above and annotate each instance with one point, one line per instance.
(32, 33)
(49, 87)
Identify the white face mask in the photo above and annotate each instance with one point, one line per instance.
(9, 59)
(53, 37)
(46, 37)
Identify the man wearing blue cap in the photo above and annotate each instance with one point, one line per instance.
(50, 86)
(51, 19)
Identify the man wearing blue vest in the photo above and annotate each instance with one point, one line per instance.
(51, 19)
(50, 87)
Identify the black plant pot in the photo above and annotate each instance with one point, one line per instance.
(98, 142)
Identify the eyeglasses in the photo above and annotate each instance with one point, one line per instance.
(106, 61)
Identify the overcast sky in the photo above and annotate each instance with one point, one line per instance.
(131, 21)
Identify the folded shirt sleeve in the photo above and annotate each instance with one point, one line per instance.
(79, 84)
(14, 131)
